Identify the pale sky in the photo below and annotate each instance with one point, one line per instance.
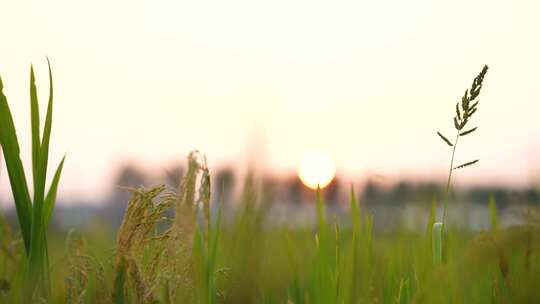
(367, 82)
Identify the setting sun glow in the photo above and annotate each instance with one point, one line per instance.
(315, 169)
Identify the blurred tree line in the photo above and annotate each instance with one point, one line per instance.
(285, 190)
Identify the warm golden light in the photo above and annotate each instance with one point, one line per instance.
(315, 169)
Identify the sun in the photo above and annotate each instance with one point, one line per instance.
(316, 169)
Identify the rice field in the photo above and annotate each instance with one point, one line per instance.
(174, 247)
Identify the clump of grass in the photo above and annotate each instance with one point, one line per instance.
(33, 213)
(162, 262)
(192, 199)
(86, 276)
(190, 259)
(140, 245)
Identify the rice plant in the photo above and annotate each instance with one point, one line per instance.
(163, 259)
(171, 249)
(33, 213)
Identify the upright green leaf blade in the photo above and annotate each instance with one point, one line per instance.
(34, 122)
(355, 211)
(44, 151)
(429, 228)
(33, 215)
(215, 238)
(50, 199)
(17, 178)
(437, 243)
(212, 258)
(37, 271)
(355, 246)
(404, 292)
(118, 296)
(200, 263)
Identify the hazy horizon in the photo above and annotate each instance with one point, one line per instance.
(368, 83)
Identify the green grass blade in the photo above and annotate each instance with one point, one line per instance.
(338, 275)
(404, 292)
(321, 213)
(33, 215)
(17, 292)
(355, 211)
(50, 199)
(355, 246)
(34, 122)
(44, 151)
(212, 258)
(429, 229)
(118, 296)
(17, 178)
(38, 269)
(295, 292)
(437, 243)
(200, 265)
(40, 155)
(324, 228)
(215, 239)
(367, 239)
(325, 262)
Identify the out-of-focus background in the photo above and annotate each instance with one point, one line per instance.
(139, 84)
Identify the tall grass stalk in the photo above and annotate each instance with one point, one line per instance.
(33, 213)
(464, 111)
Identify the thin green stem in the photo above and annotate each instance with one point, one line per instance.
(447, 195)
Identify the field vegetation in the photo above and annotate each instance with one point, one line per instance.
(174, 247)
